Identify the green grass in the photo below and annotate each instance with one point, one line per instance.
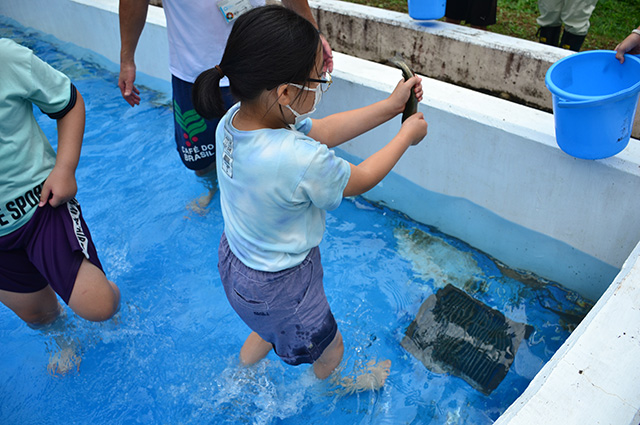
(611, 22)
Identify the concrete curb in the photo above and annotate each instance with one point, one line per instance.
(507, 67)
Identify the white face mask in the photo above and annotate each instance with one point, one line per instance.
(318, 96)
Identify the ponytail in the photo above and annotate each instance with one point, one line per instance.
(268, 46)
(207, 96)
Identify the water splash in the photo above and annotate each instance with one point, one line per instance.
(261, 393)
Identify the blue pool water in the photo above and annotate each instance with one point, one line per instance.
(170, 354)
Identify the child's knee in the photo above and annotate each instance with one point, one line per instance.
(108, 305)
(116, 294)
(112, 304)
(94, 297)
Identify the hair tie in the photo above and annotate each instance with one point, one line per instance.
(217, 67)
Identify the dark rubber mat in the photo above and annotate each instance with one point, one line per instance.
(457, 334)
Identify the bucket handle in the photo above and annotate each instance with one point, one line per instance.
(599, 101)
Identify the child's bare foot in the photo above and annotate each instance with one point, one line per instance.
(200, 205)
(374, 377)
(371, 378)
(64, 361)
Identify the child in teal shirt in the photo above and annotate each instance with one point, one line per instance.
(45, 245)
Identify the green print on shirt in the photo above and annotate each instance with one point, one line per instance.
(190, 122)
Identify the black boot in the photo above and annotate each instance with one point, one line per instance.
(572, 41)
(549, 35)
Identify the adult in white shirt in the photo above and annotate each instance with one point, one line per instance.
(197, 31)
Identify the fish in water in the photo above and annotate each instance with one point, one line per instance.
(412, 104)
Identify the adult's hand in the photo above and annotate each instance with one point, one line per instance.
(132, 15)
(327, 54)
(125, 81)
(631, 44)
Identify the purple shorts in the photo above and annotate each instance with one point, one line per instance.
(48, 250)
(287, 308)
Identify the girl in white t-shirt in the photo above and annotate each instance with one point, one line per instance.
(278, 177)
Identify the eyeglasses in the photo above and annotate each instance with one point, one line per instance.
(325, 81)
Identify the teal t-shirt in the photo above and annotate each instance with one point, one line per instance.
(275, 188)
(26, 156)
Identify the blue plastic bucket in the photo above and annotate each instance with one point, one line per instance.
(427, 9)
(594, 102)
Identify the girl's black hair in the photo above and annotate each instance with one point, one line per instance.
(268, 46)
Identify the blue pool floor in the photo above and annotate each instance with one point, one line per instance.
(170, 354)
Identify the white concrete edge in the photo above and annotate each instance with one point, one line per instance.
(460, 101)
(594, 371)
(456, 32)
(509, 116)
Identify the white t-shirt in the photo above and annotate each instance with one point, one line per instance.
(197, 34)
(275, 188)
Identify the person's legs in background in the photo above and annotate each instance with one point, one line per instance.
(455, 11)
(576, 15)
(195, 140)
(550, 21)
(482, 13)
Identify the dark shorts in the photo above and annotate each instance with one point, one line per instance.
(287, 308)
(195, 136)
(480, 13)
(48, 250)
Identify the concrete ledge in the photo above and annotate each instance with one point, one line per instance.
(457, 54)
(592, 378)
(502, 66)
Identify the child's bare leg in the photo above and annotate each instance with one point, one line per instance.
(210, 179)
(94, 297)
(330, 358)
(40, 310)
(254, 349)
(35, 308)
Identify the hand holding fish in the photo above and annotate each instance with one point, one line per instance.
(402, 93)
(338, 128)
(411, 106)
(415, 128)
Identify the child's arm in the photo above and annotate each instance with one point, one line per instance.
(343, 126)
(61, 185)
(373, 169)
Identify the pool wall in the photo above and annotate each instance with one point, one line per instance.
(490, 173)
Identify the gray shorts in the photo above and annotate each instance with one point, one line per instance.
(287, 308)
